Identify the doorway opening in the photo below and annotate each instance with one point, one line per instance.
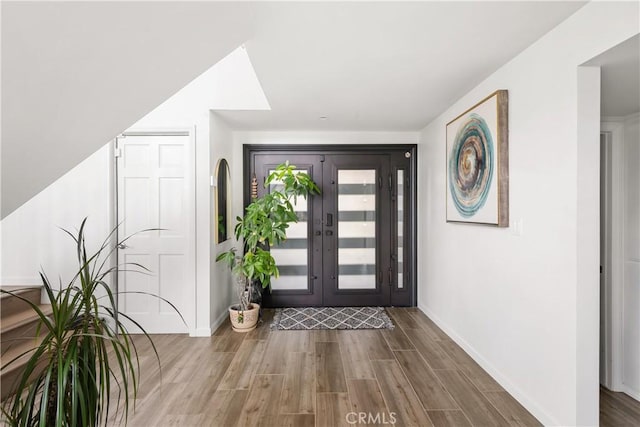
(620, 234)
(354, 244)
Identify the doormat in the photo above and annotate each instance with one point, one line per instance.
(307, 318)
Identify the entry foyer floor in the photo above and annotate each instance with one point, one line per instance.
(413, 375)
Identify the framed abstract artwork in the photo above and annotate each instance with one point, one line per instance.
(478, 163)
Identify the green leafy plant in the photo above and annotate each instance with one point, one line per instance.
(221, 225)
(265, 224)
(82, 350)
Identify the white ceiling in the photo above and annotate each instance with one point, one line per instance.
(230, 84)
(382, 66)
(75, 74)
(620, 78)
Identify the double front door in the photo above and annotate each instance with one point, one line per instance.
(352, 244)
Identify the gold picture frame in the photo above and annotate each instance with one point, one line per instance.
(222, 200)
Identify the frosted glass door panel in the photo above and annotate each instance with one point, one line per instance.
(356, 229)
(292, 255)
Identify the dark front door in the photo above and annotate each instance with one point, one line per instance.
(349, 245)
(357, 230)
(299, 258)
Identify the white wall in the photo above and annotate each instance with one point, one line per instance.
(222, 291)
(191, 107)
(310, 137)
(75, 74)
(29, 234)
(31, 238)
(630, 374)
(587, 299)
(512, 300)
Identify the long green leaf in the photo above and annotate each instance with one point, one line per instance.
(74, 388)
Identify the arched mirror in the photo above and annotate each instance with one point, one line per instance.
(223, 204)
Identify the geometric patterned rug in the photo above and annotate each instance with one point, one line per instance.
(306, 318)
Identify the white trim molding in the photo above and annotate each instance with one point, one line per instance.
(613, 322)
(218, 322)
(619, 119)
(531, 405)
(21, 281)
(189, 131)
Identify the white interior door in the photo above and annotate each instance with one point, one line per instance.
(156, 190)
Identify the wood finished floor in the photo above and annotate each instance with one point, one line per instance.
(618, 409)
(315, 378)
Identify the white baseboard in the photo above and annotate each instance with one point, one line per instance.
(207, 332)
(630, 392)
(20, 281)
(200, 332)
(531, 405)
(219, 321)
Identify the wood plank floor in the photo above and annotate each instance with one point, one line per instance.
(413, 375)
(618, 409)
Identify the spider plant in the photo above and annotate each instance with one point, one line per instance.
(82, 350)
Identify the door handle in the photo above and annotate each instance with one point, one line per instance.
(318, 233)
(329, 220)
(122, 246)
(329, 233)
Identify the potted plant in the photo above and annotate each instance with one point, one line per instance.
(83, 351)
(264, 224)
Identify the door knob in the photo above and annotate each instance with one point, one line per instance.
(122, 246)
(329, 233)
(318, 233)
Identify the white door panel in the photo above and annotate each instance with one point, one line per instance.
(156, 191)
